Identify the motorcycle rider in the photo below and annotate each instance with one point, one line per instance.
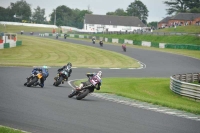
(123, 46)
(65, 35)
(56, 35)
(101, 41)
(69, 66)
(45, 74)
(94, 81)
(93, 39)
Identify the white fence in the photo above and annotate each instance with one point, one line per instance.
(179, 84)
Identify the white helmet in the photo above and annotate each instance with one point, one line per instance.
(99, 74)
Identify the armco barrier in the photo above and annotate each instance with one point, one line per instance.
(182, 84)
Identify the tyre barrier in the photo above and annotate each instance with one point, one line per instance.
(182, 84)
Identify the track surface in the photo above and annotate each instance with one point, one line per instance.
(49, 110)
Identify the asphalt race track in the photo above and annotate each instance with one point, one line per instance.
(49, 110)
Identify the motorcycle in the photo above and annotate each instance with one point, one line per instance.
(124, 48)
(93, 41)
(83, 92)
(62, 76)
(101, 43)
(33, 79)
(65, 36)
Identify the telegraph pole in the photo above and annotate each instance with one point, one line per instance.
(55, 18)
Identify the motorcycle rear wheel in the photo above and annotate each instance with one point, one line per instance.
(83, 94)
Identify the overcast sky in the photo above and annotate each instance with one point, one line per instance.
(157, 10)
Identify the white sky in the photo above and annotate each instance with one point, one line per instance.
(157, 10)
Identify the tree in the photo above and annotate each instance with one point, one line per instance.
(153, 24)
(3, 14)
(78, 21)
(63, 16)
(118, 12)
(21, 8)
(69, 17)
(38, 15)
(176, 6)
(139, 10)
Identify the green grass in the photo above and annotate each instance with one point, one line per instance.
(4, 129)
(152, 90)
(37, 51)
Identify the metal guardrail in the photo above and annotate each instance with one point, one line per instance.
(182, 84)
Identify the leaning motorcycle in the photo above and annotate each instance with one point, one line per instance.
(86, 89)
(33, 79)
(62, 75)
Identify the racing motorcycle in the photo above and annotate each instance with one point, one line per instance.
(65, 36)
(62, 76)
(33, 79)
(101, 43)
(83, 92)
(93, 41)
(124, 48)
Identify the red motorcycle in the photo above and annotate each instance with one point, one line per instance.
(124, 47)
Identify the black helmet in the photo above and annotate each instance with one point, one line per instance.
(69, 64)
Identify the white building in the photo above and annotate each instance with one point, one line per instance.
(103, 23)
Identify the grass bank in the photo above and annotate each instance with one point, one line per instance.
(37, 51)
(152, 90)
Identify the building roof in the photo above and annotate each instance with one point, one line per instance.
(165, 20)
(186, 16)
(113, 20)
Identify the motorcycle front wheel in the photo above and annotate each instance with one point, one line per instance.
(34, 80)
(58, 82)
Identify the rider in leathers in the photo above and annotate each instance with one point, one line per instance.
(94, 82)
(45, 74)
(69, 65)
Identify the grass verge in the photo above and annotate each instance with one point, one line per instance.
(37, 51)
(4, 129)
